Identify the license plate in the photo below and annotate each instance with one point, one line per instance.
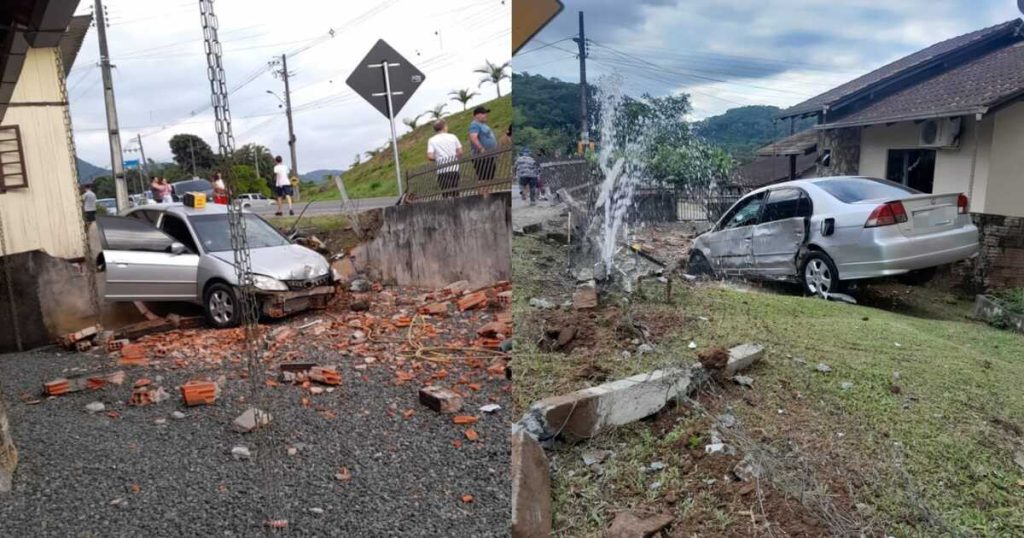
(933, 218)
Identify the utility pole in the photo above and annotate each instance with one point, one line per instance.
(283, 73)
(145, 165)
(116, 159)
(581, 40)
(256, 159)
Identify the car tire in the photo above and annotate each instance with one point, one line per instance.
(699, 265)
(918, 278)
(818, 274)
(220, 302)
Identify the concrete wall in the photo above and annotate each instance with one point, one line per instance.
(1006, 176)
(47, 215)
(433, 244)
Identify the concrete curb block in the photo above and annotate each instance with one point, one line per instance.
(742, 357)
(531, 488)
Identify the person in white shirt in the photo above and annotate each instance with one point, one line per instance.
(89, 205)
(442, 148)
(282, 186)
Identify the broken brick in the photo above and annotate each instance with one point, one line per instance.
(440, 400)
(116, 345)
(325, 375)
(69, 340)
(83, 345)
(493, 329)
(473, 300)
(471, 434)
(464, 419)
(133, 355)
(147, 394)
(436, 309)
(200, 393)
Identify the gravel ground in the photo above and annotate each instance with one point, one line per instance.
(84, 474)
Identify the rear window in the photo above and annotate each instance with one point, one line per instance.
(858, 189)
(198, 185)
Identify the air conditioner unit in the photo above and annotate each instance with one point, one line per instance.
(940, 133)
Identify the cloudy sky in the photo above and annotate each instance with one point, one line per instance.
(162, 89)
(743, 52)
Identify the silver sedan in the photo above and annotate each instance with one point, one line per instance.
(170, 252)
(826, 232)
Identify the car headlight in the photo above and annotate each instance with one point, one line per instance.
(267, 283)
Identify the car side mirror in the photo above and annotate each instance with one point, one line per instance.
(828, 227)
(177, 248)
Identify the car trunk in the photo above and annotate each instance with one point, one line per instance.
(929, 213)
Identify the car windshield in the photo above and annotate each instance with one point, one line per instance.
(858, 189)
(214, 233)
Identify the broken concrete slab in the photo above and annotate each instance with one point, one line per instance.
(531, 488)
(585, 296)
(440, 400)
(629, 525)
(251, 419)
(95, 407)
(585, 413)
(742, 357)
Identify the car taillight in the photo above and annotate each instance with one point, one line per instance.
(886, 215)
(961, 204)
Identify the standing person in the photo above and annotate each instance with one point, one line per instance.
(527, 172)
(482, 141)
(442, 148)
(282, 186)
(161, 190)
(89, 206)
(506, 139)
(220, 191)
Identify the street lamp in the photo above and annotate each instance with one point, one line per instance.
(282, 100)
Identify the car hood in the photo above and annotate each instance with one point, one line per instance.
(289, 262)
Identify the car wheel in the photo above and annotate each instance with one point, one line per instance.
(699, 265)
(221, 305)
(917, 278)
(820, 275)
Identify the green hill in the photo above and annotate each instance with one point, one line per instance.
(376, 176)
(741, 131)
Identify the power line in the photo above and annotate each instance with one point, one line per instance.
(542, 47)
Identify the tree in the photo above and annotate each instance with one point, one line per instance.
(494, 74)
(193, 154)
(463, 96)
(412, 123)
(435, 113)
(103, 187)
(244, 180)
(248, 155)
(355, 162)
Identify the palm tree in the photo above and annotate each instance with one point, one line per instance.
(463, 96)
(435, 113)
(370, 154)
(494, 74)
(413, 123)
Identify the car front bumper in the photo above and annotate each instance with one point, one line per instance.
(277, 304)
(888, 252)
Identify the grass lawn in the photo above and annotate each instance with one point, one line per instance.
(375, 177)
(912, 433)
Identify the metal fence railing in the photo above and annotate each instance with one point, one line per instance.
(481, 174)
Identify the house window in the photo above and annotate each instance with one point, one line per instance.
(914, 168)
(12, 160)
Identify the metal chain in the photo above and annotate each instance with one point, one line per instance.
(218, 81)
(9, 283)
(90, 260)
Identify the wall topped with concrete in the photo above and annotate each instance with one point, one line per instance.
(433, 244)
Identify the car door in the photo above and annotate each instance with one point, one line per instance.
(730, 244)
(184, 278)
(140, 264)
(781, 232)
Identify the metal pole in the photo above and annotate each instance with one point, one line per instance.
(584, 123)
(116, 159)
(288, 112)
(394, 134)
(256, 159)
(192, 151)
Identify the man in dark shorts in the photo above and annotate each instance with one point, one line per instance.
(443, 148)
(89, 205)
(282, 186)
(482, 141)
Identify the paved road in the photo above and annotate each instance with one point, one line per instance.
(332, 207)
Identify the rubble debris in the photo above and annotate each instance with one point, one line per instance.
(743, 380)
(629, 525)
(692, 345)
(177, 415)
(360, 285)
(742, 357)
(66, 385)
(466, 499)
(457, 288)
(143, 328)
(473, 300)
(594, 457)
(247, 421)
(495, 329)
(542, 304)
(585, 413)
(463, 420)
(95, 407)
(823, 368)
(440, 400)
(70, 340)
(198, 392)
(585, 296)
(531, 488)
(117, 345)
(241, 453)
(325, 375)
(435, 309)
(490, 408)
(715, 358)
(846, 385)
(748, 469)
(146, 394)
(307, 371)
(471, 434)
(133, 355)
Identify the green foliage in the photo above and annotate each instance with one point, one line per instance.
(244, 180)
(741, 131)
(103, 187)
(463, 96)
(189, 148)
(248, 155)
(547, 113)
(494, 74)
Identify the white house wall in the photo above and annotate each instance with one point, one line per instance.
(1006, 186)
(952, 167)
(47, 215)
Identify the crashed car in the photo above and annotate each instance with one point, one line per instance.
(170, 252)
(828, 232)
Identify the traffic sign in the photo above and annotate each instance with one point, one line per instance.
(529, 17)
(132, 164)
(382, 66)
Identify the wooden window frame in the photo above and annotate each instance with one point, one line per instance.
(4, 187)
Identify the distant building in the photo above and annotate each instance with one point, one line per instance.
(949, 118)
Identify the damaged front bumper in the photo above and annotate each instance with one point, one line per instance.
(277, 304)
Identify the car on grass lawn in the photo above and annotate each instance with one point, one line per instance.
(828, 232)
(170, 252)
